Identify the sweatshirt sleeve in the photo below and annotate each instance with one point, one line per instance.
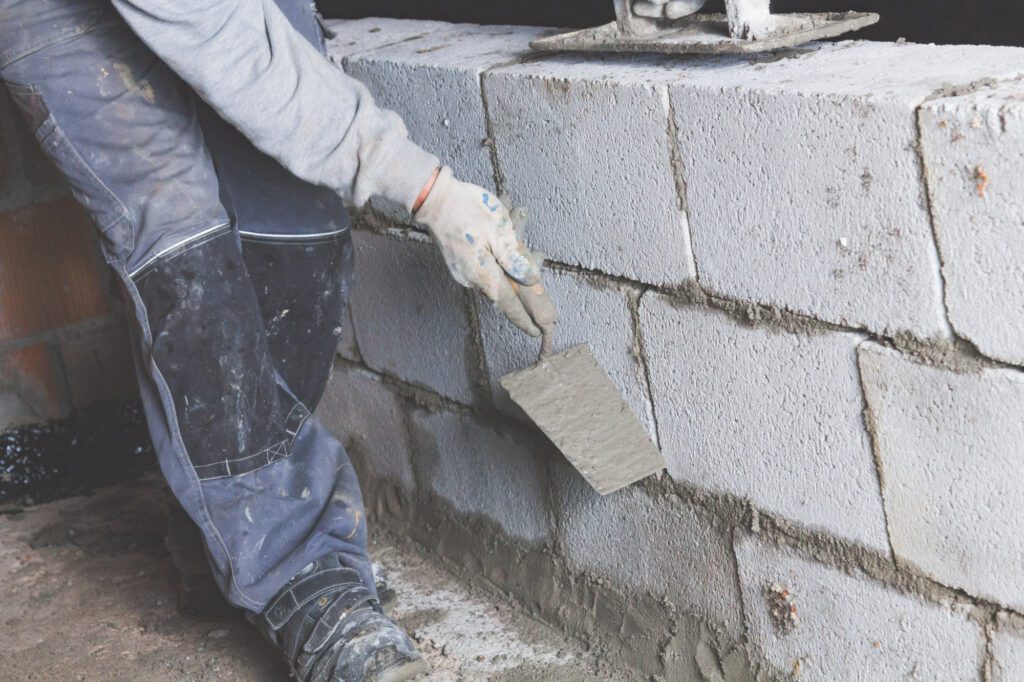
(245, 59)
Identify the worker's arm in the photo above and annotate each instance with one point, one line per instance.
(248, 62)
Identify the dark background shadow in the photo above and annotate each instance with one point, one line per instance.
(981, 22)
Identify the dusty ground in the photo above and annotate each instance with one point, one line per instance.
(87, 592)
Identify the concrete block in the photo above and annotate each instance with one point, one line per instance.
(949, 445)
(847, 627)
(584, 142)
(348, 37)
(590, 312)
(411, 318)
(974, 153)
(433, 83)
(765, 415)
(804, 181)
(369, 420)
(662, 547)
(1007, 657)
(98, 364)
(482, 472)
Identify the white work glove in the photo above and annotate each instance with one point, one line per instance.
(476, 235)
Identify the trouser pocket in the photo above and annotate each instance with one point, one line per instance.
(108, 212)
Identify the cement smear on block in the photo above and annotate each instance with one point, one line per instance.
(629, 636)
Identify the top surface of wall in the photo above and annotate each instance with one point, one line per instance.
(904, 71)
(347, 38)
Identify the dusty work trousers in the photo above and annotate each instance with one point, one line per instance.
(237, 273)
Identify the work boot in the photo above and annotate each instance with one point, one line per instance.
(331, 628)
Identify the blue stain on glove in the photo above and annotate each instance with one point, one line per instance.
(487, 203)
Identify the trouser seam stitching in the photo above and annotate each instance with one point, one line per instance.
(61, 137)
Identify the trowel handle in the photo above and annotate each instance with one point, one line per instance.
(542, 310)
(547, 341)
(535, 299)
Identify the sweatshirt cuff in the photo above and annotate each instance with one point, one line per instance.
(407, 171)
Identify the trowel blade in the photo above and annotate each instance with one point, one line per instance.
(578, 407)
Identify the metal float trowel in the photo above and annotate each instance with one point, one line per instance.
(577, 406)
(676, 27)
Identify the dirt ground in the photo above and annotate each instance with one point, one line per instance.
(87, 592)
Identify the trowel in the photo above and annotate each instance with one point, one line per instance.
(677, 27)
(574, 402)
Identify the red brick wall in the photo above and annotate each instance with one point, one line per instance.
(64, 343)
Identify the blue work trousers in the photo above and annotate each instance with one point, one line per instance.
(237, 274)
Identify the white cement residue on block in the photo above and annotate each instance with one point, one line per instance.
(840, 627)
(765, 415)
(974, 152)
(411, 318)
(952, 453)
(480, 471)
(584, 143)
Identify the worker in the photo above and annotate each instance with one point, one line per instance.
(215, 147)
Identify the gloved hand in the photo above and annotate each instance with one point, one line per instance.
(535, 299)
(476, 235)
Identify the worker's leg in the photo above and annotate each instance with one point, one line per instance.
(297, 249)
(268, 486)
(295, 240)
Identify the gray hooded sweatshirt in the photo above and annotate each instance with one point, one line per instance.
(246, 60)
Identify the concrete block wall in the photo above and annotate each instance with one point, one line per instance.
(802, 270)
(63, 342)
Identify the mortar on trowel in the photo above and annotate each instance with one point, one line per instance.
(580, 410)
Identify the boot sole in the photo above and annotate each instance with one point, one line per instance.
(406, 671)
